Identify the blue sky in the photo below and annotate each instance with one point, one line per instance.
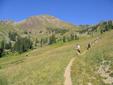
(73, 11)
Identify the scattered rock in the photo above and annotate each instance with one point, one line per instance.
(105, 72)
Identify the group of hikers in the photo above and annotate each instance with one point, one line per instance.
(78, 48)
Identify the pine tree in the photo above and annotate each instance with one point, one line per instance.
(1, 52)
(3, 44)
(76, 37)
(52, 39)
(64, 39)
(71, 36)
(12, 36)
(22, 44)
(8, 45)
(2, 47)
(41, 42)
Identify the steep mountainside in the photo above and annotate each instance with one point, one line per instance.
(37, 24)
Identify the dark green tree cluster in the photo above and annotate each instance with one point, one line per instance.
(64, 39)
(8, 45)
(73, 37)
(41, 42)
(60, 30)
(70, 37)
(106, 26)
(23, 44)
(52, 39)
(103, 27)
(4, 46)
(12, 36)
(1, 52)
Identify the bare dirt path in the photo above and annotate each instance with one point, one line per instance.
(67, 74)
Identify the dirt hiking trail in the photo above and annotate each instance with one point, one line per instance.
(67, 74)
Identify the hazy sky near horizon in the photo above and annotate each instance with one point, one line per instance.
(73, 11)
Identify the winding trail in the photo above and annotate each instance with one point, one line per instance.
(67, 74)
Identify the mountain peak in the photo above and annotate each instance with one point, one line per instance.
(42, 22)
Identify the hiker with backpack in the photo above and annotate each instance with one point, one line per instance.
(88, 46)
(78, 49)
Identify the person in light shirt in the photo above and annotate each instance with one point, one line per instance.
(78, 49)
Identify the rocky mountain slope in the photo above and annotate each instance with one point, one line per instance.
(36, 26)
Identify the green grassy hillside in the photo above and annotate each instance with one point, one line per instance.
(46, 65)
(43, 66)
(96, 66)
(39, 67)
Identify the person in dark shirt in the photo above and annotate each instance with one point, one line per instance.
(88, 46)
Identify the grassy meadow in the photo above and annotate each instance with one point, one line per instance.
(46, 65)
(42, 66)
(85, 67)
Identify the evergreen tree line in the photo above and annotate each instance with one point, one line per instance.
(103, 27)
(22, 44)
(16, 44)
(53, 39)
(106, 26)
(4, 46)
(12, 36)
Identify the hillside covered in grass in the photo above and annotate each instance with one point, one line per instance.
(34, 32)
(96, 66)
(46, 65)
(36, 51)
(43, 66)
(39, 31)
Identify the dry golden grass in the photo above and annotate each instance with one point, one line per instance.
(85, 68)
